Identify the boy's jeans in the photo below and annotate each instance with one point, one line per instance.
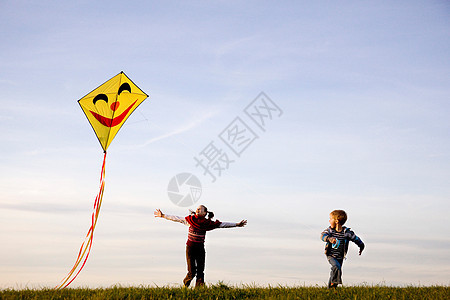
(336, 270)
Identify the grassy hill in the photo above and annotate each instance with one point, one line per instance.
(222, 291)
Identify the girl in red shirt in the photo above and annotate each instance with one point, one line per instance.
(195, 245)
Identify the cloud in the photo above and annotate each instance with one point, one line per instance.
(40, 207)
(187, 126)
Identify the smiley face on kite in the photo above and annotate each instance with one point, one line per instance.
(108, 106)
(113, 120)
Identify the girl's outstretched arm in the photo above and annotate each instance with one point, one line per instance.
(242, 223)
(159, 214)
(229, 225)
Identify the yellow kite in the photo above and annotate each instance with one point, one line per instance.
(107, 108)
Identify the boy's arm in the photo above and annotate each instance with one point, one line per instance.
(355, 239)
(325, 235)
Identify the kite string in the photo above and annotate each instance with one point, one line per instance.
(86, 246)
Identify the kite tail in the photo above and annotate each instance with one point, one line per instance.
(85, 248)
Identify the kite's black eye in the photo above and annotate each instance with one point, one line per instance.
(124, 87)
(100, 97)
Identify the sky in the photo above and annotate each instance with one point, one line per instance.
(338, 105)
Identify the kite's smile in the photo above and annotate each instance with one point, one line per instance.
(111, 122)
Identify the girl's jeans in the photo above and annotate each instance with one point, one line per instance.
(195, 258)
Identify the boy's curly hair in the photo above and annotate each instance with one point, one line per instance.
(339, 215)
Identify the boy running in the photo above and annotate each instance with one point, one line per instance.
(337, 237)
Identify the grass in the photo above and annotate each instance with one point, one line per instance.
(222, 291)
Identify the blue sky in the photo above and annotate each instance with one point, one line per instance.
(364, 91)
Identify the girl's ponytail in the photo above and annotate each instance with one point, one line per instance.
(210, 214)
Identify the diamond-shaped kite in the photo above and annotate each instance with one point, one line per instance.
(107, 108)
